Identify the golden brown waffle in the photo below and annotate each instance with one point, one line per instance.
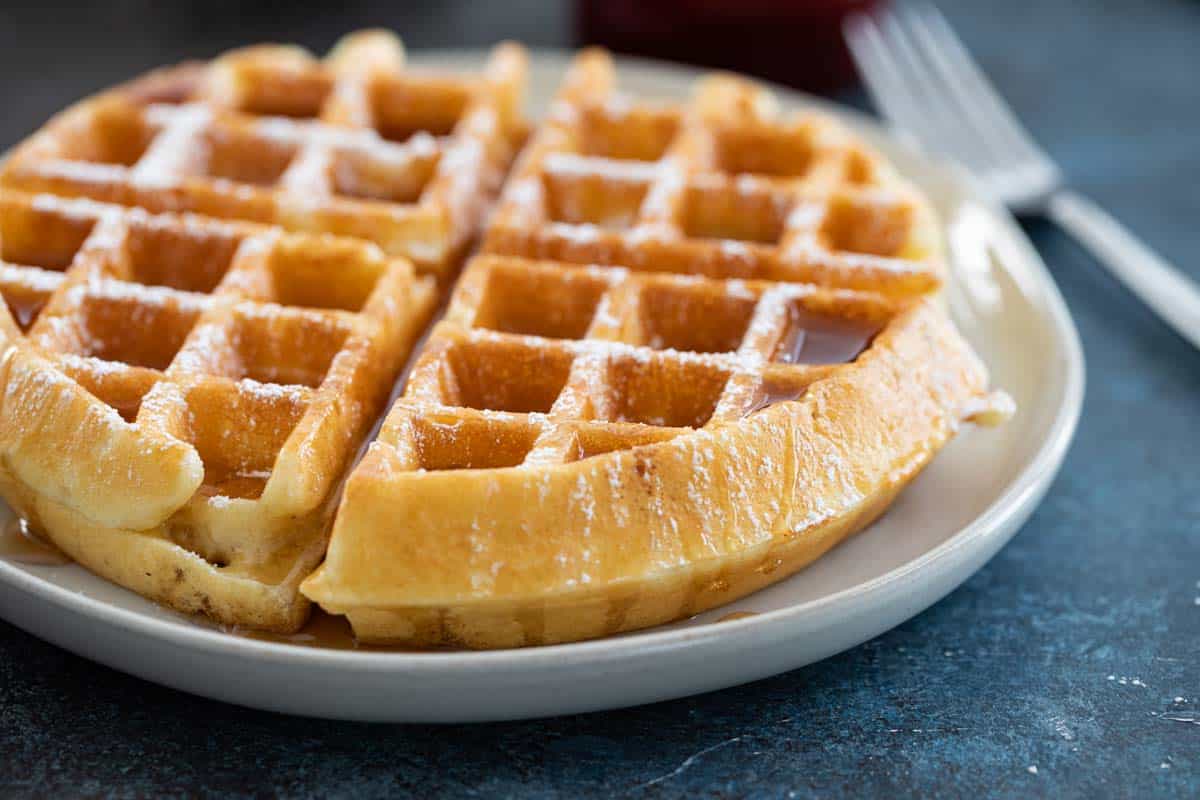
(181, 396)
(725, 186)
(702, 346)
(586, 450)
(583, 449)
(354, 145)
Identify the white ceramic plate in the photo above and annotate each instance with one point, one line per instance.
(955, 517)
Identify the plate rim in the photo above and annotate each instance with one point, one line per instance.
(1007, 512)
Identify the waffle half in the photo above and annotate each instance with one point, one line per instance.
(702, 348)
(354, 144)
(183, 395)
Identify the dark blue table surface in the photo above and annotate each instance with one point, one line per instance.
(1068, 666)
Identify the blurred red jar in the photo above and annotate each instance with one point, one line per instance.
(797, 43)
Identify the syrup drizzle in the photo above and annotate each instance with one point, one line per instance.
(816, 339)
(248, 487)
(736, 615)
(769, 395)
(128, 409)
(322, 630)
(20, 542)
(25, 309)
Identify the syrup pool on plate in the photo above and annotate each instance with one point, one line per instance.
(325, 631)
(21, 543)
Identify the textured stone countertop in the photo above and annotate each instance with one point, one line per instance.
(1068, 666)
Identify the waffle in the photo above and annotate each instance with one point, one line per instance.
(181, 396)
(700, 345)
(584, 450)
(725, 186)
(354, 145)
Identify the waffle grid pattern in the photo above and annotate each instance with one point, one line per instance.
(269, 353)
(725, 186)
(352, 145)
(210, 261)
(543, 363)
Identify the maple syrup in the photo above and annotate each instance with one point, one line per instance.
(735, 615)
(21, 543)
(817, 339)
(24, 308)
(240, 485)
(322, 630)
(128, 409)
(769, 395)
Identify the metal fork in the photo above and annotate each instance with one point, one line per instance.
(924, 81)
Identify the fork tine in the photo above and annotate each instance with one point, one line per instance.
(942, 124)
(907, 88)
(882, 76)
(970, 89)
(963, 132)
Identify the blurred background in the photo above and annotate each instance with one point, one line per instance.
(1107, 86)
(54, 52)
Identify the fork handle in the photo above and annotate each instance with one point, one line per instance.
(1170, 293)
